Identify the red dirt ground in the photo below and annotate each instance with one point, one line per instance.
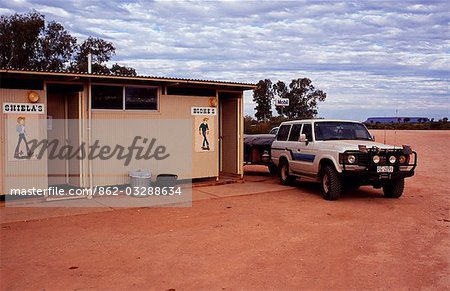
(280, 240)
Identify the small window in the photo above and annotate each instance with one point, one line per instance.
(283, 132)
(295, 132)
(307, 130)
(107, 97)
(140, 98)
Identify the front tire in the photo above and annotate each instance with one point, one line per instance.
(285, 177)
(331, 184)
(394, 189)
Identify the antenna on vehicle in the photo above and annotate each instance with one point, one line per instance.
(384, 132)
(396, 117)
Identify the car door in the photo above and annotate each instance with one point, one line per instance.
(279, 146)
(293, 146)
(305, 154)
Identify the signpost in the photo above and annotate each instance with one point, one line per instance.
(282, 102)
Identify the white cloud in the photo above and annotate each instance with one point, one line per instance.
(366, 55)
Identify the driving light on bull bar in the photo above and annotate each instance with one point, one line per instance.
(351, 159)
(392, 159)
(376, 159)
(402, 159)
(407, 149)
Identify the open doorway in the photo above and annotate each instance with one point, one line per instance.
(64, 126)
(229, 132)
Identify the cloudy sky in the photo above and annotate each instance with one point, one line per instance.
(373, 58)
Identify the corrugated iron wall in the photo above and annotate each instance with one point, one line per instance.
(23, 174)
(204, 164)
(34, 173)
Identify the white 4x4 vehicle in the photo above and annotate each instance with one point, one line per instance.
(340, 153)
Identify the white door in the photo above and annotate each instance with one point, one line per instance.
(305, 154)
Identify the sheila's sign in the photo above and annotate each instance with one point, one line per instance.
(23, 108)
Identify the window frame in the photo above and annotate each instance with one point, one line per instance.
(158, 94)
(105, 109)
(299, 132)
(312, 132)
(287, 136)
(158, 98)
(369, 137)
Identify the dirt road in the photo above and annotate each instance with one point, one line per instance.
(285, 240)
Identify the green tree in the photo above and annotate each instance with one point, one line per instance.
(263, 95)
(101, 51)
(123, 70)
(303, 98)
(27, 42)
(56, 47)
(19, 39)
(281, 91)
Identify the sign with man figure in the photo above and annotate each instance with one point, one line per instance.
(204, 133)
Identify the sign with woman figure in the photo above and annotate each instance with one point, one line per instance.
(21, 129)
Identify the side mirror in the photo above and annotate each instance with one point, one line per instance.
(373, 137)
(303, 138)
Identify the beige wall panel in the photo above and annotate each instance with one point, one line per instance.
(204, 164)
(24, 174)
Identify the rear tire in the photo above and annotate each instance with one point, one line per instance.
(394, 189)
(283, 172)
(272, 168)
(331, 184)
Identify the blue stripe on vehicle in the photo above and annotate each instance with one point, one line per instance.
(303, 157)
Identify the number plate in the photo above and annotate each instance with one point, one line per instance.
(385, 169)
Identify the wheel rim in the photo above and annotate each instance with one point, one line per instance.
(325, 183)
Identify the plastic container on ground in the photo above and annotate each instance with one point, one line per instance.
(166, 180)
(139, 181)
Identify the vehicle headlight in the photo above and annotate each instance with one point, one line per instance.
(392, 159)
(376, 159)
(402, 159)
(351, 159)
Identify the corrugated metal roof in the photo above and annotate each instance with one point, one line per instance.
(122, 76)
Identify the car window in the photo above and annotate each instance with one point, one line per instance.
(283, 132)
(295, 132)
(332, 130)
(307, 130)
